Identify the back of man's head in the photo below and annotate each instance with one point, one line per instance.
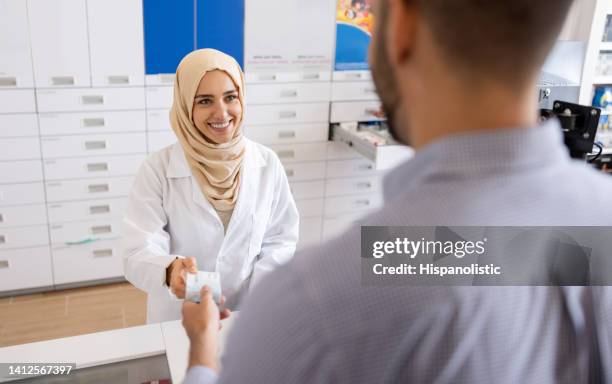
(509, 38)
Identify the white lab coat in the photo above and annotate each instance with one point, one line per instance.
(169, 216)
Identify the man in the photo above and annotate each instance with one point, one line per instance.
(457, 81)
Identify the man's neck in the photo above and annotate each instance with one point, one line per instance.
(486, 109)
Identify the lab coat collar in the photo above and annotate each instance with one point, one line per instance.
(178, 167)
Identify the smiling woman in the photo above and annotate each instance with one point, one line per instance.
(214, 201)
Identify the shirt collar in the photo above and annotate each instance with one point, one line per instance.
(492, 152)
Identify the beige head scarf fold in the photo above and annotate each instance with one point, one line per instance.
(216, 167)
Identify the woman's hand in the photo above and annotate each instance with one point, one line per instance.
(176, 275)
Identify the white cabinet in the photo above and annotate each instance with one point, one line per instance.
(289, 153)
(350, 204)
(116, 42)
(84, 231)
(350, 168)
(60, 49)
(95, 261)
(90, 99)
(308, 189)
(354, 90)
(358, 185)
(15, 55)
(17, 101)
(159, 97)
(356, 111)
(19, 148)
(23, 215)
(158, 119)
(87, 210)
(287, 93)
(20, 171)
(289, 133)
(23, 237)
(92, 167)
(18, 125)
(83, 123)
(305, 171)
(286, 113)
(93, 145)
(25, 268)
(159, 140)
(18, 194)
(70, 190)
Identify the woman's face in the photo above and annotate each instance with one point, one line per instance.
(216, 107)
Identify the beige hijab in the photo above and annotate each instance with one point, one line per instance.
(216, 167)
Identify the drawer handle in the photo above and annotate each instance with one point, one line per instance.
(286, 134)
(99, 209)
(286, 154)
(289, 172)
(369, 90)
(1, 218)
(102, 253)
(101, 229)
(2, 239)
(97, 188)
(289, 93)
(353, 75)
(94, 122)
(97, 167)
(62, 80)
(288, 114)
(267, 77)
(365, 167)
(8, 81)
(4, 264)
(92, 99)
(362, 203)
(364, 185)
(93, 145)
(118, 80)
(312, 76)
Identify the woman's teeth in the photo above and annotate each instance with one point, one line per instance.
(220, 125)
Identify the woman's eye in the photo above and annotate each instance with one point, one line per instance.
(232, 97)
(205, 101)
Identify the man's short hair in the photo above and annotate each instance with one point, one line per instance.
(495, 37)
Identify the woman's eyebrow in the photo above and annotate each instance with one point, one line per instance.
(224, 94)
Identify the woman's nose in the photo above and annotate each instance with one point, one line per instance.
(220, 111)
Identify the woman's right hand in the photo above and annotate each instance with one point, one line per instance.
(176, 275)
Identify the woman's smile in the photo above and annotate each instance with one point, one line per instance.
(221, 126)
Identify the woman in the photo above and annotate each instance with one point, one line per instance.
(214, 201)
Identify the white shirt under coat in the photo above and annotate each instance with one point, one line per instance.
(169, 216)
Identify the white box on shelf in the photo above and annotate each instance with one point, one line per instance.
(25, 268)
(18, 125)
(109, 144)
(15, 51)
(60, 49)
(86, 189)
(116, 42)
(82, 123)
(90, 99)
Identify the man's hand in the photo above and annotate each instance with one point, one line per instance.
(176, 275)
(202, 323)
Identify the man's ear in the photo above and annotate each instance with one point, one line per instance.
(402, 16)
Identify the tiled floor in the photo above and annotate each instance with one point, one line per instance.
(49, 315)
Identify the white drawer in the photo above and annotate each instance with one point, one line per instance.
(18, 194)
(84, 232)
(158, 120)
(340, 187)
(308, 189)
(19, 148)
(159, 97)
(91, 123)
(305, 171)
(355, 111)
(90, 99)
(160, 79)
(310, 208)
(287, 113)
(23, 237)
(336, 226)
(271, 77)
(18, 125)
(287, 93)
(20, 171)
(350, 168)
(92, 167)
(69, 190)
(159, 140)
(354, 90)
(17, 101)
(341, 151)
(288, 134)
(86, 210)
(349, 204)
(25, 268)
(310, 231)
(76, 263)
(94, 145)
(289, 153)
(23, 215)
(352, 76)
